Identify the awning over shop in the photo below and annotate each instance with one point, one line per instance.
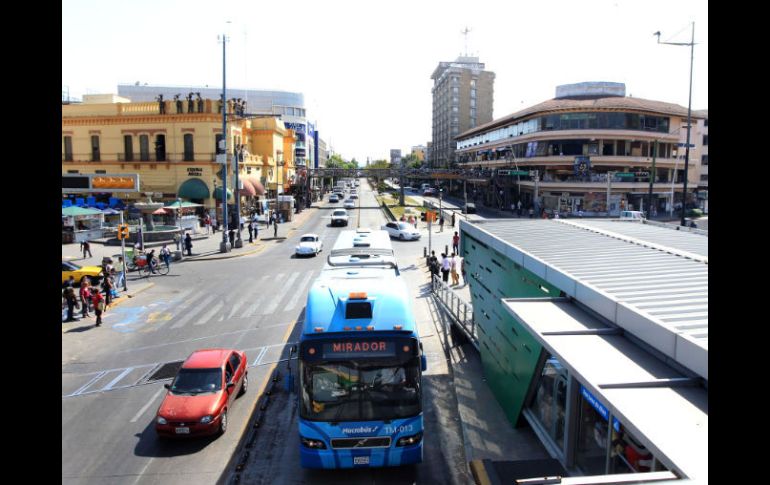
(248, 188)
(258, 187)
(185, 205)
(194, 188)
(218, 193)
(80, 211)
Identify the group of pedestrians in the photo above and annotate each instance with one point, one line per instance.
(90, 297)
(453, 265)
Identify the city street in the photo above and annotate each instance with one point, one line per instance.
(252, 303)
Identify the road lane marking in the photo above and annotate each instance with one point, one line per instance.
(207, 317)
(301, 291)
(260, 356)
(89, 383)
(279, 295)
(115, 380)
(194, 312)
(144, 408)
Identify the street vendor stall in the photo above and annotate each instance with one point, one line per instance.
(188, 220)
(80, 224)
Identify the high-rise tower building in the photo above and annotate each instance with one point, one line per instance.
(462, 99)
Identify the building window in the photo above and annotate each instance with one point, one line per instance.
(704, 159)
(73, 171)
(217, 141)
(128, 148)
(95, 153)
(705, 139)
(473, 102)
(473, 84)
(706, 122)
(160, 148)
(704, 177)
(144, 148)
(68, 148)
(473, 93)
(189, 153)
(550, 403)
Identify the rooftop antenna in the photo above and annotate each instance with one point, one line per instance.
(465, 34)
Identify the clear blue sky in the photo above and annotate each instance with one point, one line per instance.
(364, 67)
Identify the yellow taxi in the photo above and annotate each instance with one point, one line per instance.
(69, 268)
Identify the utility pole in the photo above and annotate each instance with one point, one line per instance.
(652, 179)
(689, 117)
(609, 189)
(224, 246)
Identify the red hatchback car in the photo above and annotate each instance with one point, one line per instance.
(201, 393)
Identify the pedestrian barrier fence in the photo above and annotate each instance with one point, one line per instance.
(460, 311)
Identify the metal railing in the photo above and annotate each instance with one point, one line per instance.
(460, 311)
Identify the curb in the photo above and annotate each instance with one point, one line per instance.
(206, 258)
(125, 297)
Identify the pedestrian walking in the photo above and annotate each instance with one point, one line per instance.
(445, 267)
(85, 295)
(165, 255)
(441, 223)
(433, 264)
(87, 249)
(461, 264)
(251, 231)
(518, 207)
(275, 225)
(456, 243)
(453, 219)
(453, 268)
(231, 236)
(70, 283)
(188, 243)
(99, 306)
(107, 286)
(69, 299)
(531, 212)
(214, 225)
(256, 228)
(120, 273)
(178, 241)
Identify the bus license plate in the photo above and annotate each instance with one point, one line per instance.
(360, 460)
(182, 430)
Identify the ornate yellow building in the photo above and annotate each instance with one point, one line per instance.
(171, 145)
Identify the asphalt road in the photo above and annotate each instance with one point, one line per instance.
(252, 303)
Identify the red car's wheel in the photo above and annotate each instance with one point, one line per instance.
(223, 422)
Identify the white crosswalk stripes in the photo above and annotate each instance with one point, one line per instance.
(199, 307)
(278, 295)
(211, 313)
(300, 292)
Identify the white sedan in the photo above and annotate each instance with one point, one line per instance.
(401, 230)
(309, 244)
(349, 204)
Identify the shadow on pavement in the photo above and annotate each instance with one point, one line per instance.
(150, 445)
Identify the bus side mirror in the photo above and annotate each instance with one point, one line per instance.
(424, 363)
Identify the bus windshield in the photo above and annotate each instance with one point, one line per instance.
(360, 391)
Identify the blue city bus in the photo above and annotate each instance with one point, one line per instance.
(360, 369)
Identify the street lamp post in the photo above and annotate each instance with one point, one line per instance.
(689, 111)
(224, 246)
(237, 154)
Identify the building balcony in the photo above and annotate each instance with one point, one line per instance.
(598, 186)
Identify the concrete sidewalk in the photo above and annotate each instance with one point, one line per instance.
(205, 246)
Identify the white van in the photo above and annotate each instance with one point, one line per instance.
(631, 216)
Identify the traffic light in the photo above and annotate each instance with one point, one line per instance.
(123, 231)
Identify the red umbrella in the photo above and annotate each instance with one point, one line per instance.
(160, 212)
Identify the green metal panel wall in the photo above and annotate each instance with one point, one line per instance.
(509, 354)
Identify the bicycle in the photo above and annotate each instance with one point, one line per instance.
(159, 266)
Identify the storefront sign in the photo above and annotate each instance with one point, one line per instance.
(375, 348)
(89, 183)
(297, 127)
(582, 166)
(194, 172)
(603, 412)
